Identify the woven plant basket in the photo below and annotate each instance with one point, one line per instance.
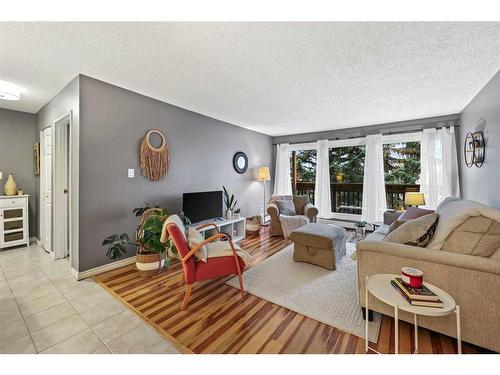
(148, 264)
(253, 224)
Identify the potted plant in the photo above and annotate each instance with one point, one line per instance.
(230, 203)
(254, 223)
(152, 254)
(360, 228)
(237, 213)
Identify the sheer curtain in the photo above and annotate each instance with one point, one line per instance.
(322, 198)
(374, 199)
(438, 166)
(282, 178)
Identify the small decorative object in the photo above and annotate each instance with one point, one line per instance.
(412, 277)
(36, 158)
(414, 199)
(339, 177)
(230, 203)
(237, 213)
(20, 191)
(474, 149)
(10, 187)
(360, 228)
(254, 223)
(240, 162)
(155, 162)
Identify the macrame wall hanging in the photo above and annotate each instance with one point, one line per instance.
(155, 161)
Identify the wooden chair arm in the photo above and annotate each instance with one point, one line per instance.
(208, 225)
(197, 247)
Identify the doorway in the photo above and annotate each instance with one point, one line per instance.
(56, 208)
(46, 189)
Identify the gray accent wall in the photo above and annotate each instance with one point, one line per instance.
(483, 113)
(17, 136)
(113, 121)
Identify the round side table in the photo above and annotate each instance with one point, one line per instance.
(380, 287)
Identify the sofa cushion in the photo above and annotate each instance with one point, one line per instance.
(478, 235)
(414, 213)
(300, 201)
(417, 232)
(285, 207)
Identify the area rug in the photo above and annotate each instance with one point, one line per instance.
(327, 296)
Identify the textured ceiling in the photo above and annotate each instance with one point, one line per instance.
(276, 78)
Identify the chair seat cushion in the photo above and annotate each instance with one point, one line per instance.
(217, 267)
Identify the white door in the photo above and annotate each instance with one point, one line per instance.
(46, 189)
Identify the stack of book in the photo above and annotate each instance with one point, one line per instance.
(422, 296)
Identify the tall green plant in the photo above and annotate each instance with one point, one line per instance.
(229, 200)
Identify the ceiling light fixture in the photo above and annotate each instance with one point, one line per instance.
(10, 91)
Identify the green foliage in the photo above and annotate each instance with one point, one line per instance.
(138, 211)
(117, 245)
(401, 163)
(360, 224)
(150, 233)
(229, 200)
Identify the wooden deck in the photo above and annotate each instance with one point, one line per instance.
(217, 322)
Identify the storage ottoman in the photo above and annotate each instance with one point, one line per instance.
(320, 244)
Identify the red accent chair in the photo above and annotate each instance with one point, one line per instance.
(199, 271)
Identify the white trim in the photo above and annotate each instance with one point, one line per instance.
(97, 270)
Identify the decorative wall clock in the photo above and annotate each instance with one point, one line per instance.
(240, 162)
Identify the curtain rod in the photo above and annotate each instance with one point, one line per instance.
(362, 136)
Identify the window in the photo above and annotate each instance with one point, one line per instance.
(346, 176)
(303, 169)
(402, 171)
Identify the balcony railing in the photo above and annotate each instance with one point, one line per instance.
(347, 198)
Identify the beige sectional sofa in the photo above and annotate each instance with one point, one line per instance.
(463, 259)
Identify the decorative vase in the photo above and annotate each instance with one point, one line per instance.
(229, 214)
(10, 187)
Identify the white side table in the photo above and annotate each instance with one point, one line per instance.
(380, 287)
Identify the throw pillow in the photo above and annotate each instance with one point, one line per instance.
(286, 207)
(416, 232)
(395, 224)
(414, 213)
(300, 201)
(478, 235)
(194, 238)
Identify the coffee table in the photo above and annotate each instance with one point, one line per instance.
(379, 286)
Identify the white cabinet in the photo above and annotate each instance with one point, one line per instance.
(235, 228)
(14, 221)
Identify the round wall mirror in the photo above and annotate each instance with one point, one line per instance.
(240, 162)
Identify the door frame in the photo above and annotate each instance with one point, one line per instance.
(73, 186)
(41, 221)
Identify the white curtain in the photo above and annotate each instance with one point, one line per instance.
(438, 166)
(282, 177)
(374, 199)
(322, 198)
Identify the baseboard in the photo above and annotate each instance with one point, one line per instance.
(97, 270)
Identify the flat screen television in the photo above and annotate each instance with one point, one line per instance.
(202, 206)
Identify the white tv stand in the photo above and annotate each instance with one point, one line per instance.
(235, 228)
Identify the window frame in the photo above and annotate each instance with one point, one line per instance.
(359, 141)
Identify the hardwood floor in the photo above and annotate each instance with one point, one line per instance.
(217, 322)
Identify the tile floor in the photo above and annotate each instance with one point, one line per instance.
(44, 310)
